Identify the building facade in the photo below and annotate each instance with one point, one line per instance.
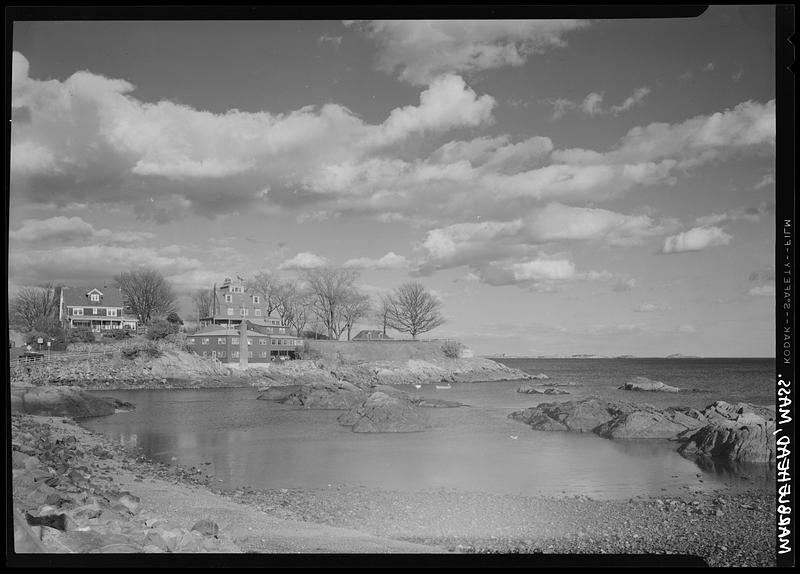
(224, 345)
(95, 308)
(234, 302)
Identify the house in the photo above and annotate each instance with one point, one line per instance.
(233, 302)
(98, 309)
(371, 335)
(223, 344)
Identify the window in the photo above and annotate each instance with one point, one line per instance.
(282, 331)
(250, 354)
(77, 311)
(228, 298)
(220, 353)
(220, 340)
(235, 341)
(230, 310)
(94, 310)
(262, 354)
(204, 341)
(234, 354)
(262, 341)
(94, 297)
(112, 313)
(256, 299)
(274, 341)
(245, 312)
(249, 341)
(190, 341)
(236, 289)
(258, 312)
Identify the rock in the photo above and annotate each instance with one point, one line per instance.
(206, 527)
(384, 413)
(278, 394)
(530, 389)
(579, 416)
(340, 395)
(648, 422)
(128, 501)
(645, 384)
(540, 377)
(734, 441)
(59, 401)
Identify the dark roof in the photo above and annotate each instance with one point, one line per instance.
(371, 334)
(78, 297)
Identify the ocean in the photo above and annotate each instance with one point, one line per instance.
(243, 441)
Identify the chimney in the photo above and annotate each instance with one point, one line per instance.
(243, 348)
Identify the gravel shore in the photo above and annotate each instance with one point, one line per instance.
(725, 529)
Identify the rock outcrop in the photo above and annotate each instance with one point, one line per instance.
(340, 395)
(735, 432)
(532, 389)
(645, 384)
(60, 401)
(578, 416)
(382, 412)
(649, 422)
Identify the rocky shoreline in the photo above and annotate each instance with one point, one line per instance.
(115, 500)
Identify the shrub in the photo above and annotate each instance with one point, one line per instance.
(160, 328)
(452, 349)
(117, 334)
(81, 335)
(147, 348)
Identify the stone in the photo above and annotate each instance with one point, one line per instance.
(278, 394)
(59, 401)
(645, 384)
(384, 413)
(327, 396)
(578, 416)
(733, 441)
(531, 389)
(206, 527)
(648, 423)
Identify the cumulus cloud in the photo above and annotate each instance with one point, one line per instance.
(696, 239)
(88, 263)
(304, 260)
(67, 229)
(389, 261)
(420, 50)
(762, 291)
(89, 137)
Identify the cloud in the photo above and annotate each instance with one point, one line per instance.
(89, 137)
(328, 39)
(764, 209)
(768, 179)
(88, 263)
(696, 239)
(762, 291)
(67, 229)
(592, 104)
(389, 261)
(420, 50)
(304, 260)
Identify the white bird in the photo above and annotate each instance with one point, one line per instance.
(511, 436)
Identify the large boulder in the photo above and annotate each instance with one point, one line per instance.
(340, 395)
(648, 422)
(735, 433)
(278, 394)
(645, 384)
(384, 413)
(578, 416)
(60, 401)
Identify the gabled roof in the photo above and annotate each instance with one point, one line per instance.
(371, 334)
(79, 297)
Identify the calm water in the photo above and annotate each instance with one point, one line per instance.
(265, 445)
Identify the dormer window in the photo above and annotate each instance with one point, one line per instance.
(94, 297)
(236, 289)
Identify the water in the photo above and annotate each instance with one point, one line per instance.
(477, 448)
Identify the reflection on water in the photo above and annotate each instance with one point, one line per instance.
(244, 441)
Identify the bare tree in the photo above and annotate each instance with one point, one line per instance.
(265, 284)
(383, 309)
(147, 294)
(32, 305)
(330, 288)
(414, 310)
(293, 303)
(203, 300)
(356, 306)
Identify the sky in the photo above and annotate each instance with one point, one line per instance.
(601, 186)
